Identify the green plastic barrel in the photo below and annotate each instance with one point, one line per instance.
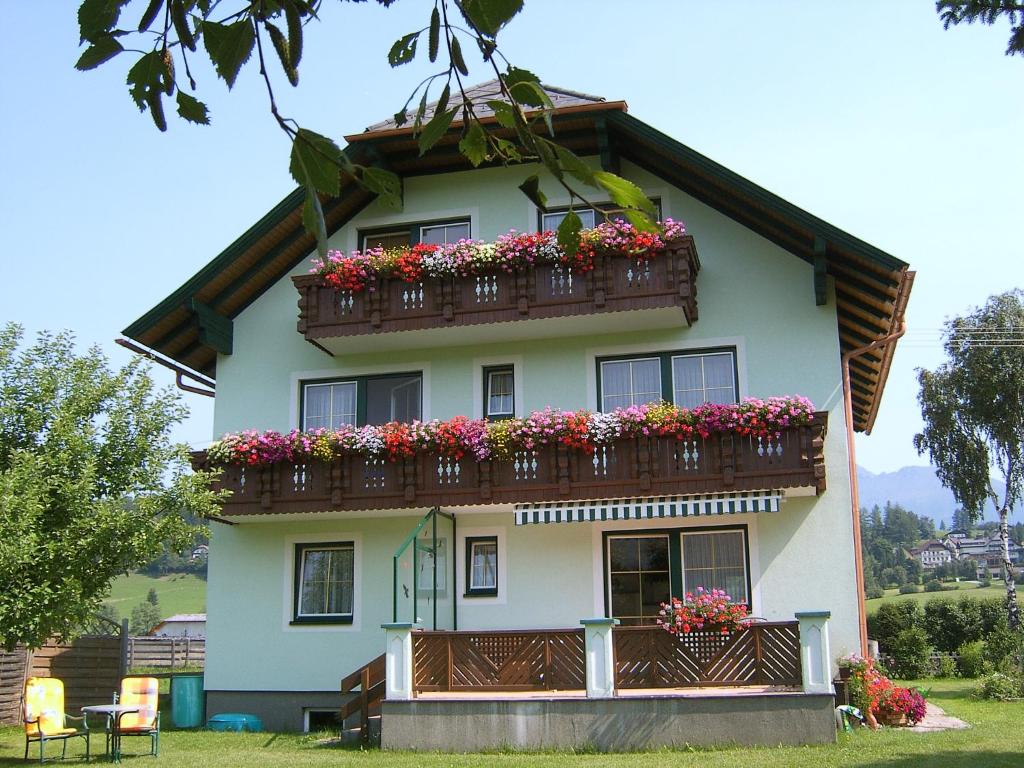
(187, 701)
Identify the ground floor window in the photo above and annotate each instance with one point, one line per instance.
(482, 566)
(644, 569)
(319, 720)
(324, 582)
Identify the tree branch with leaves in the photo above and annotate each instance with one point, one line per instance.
(956, 12)
(522, 129)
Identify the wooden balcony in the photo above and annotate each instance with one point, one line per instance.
(656, 293)
(630, 467)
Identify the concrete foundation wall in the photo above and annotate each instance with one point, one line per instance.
(609, 725)
(279, 710)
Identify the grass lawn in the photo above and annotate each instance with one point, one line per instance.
(995, 740)
(177, 593)
(953, 590)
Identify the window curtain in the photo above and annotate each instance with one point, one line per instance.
(716, 561)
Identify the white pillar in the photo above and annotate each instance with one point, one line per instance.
(815, 653)
(599, 657)
(398, 661)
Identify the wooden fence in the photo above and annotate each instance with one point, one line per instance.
(13, 665)
(169, 652)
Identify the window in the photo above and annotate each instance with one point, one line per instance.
(588, 216)
(686, 379)
(716, 560)
(499, 395)
(638, 577)
(324, 582)
(435, 233)
(482, 566)
(362, 400)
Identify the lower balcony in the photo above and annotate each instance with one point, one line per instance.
(621, 293)
(629, 467)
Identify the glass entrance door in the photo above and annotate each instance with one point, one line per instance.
(638, 576)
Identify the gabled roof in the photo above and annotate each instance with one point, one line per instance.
(872, 287)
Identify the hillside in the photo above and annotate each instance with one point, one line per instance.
(914, 488)
(176, 593)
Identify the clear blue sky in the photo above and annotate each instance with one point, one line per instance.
(865, 113)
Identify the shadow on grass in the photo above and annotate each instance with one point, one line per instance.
(985, 758)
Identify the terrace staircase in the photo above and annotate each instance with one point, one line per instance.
(362, 692)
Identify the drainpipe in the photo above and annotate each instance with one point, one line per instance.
(180, 374)
(854, 491)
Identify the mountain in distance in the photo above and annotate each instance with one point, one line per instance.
(917, 489)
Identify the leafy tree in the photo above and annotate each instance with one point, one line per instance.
(144, 617)
(973, 411)
(962, 521)
(231, 32)
(151, 597)
(90, 485)
(955, 12)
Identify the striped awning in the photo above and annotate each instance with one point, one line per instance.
(648, 508)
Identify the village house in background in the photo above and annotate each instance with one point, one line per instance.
(181, 625)
(517, 593)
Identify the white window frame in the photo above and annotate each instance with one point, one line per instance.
(341, 382)
(445, 226)
(747, 583)
(500, 371)
(481, 590)
(703, 377)
(604, 394)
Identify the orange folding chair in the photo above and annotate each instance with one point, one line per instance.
(143, 692)
(45, 719)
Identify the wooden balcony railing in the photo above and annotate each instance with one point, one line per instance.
(763, 654)
(616, 284)
(630, 467)
(530, 660)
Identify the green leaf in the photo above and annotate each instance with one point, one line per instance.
(489, 16)
(315, 162)
(97, 18)
(575, 167)
(625, 193)
(294, 19)
(104, 49)
(435, 33)
(474, 144)
(386, 184)
(313, 220)
(508, 150)
(401, 118)
(526, 88)
(569, 233)
(150, 14)
(281, 47)
(404, 50)
(435, 129)
(146, 76)
(504, 113)
(547, 157)
(442, 103)
(457, 60)
(421, 111)
(640, 220)
(192, 109)
(229, 46)
(531, 188)
(180, 21)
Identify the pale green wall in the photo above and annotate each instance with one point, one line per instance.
(750, 292)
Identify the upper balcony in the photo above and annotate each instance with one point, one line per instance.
(791, 460)
(621, 293)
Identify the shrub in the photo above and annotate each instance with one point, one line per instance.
(873, 593)
(1004, 648)
(908, 589)
(986, 582)
(933, 585)
(1000, 687)
(972, 659)
(893, 618)
(946, 667)
(951, 623)
(909, 651)
(993, 613)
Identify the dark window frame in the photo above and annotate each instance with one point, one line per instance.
(334, 618)
(667, 374)
(470, 591)
(361, 392)
(487, 371)
(414, 227)
(675, 554)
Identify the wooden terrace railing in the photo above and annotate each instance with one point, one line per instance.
(630, 467)
(763, 654)
(617, 283)
(513, 660)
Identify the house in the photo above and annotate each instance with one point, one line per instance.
(987, 552)
(474, 563)
(200, 552)
(181, 625)
(934, 553)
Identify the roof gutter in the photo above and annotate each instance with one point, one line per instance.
(180, 373)
(888, 342)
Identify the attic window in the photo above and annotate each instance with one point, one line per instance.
(432, 232)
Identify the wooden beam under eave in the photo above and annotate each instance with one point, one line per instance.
(820, 272)
(609, 157)
(215, 330)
